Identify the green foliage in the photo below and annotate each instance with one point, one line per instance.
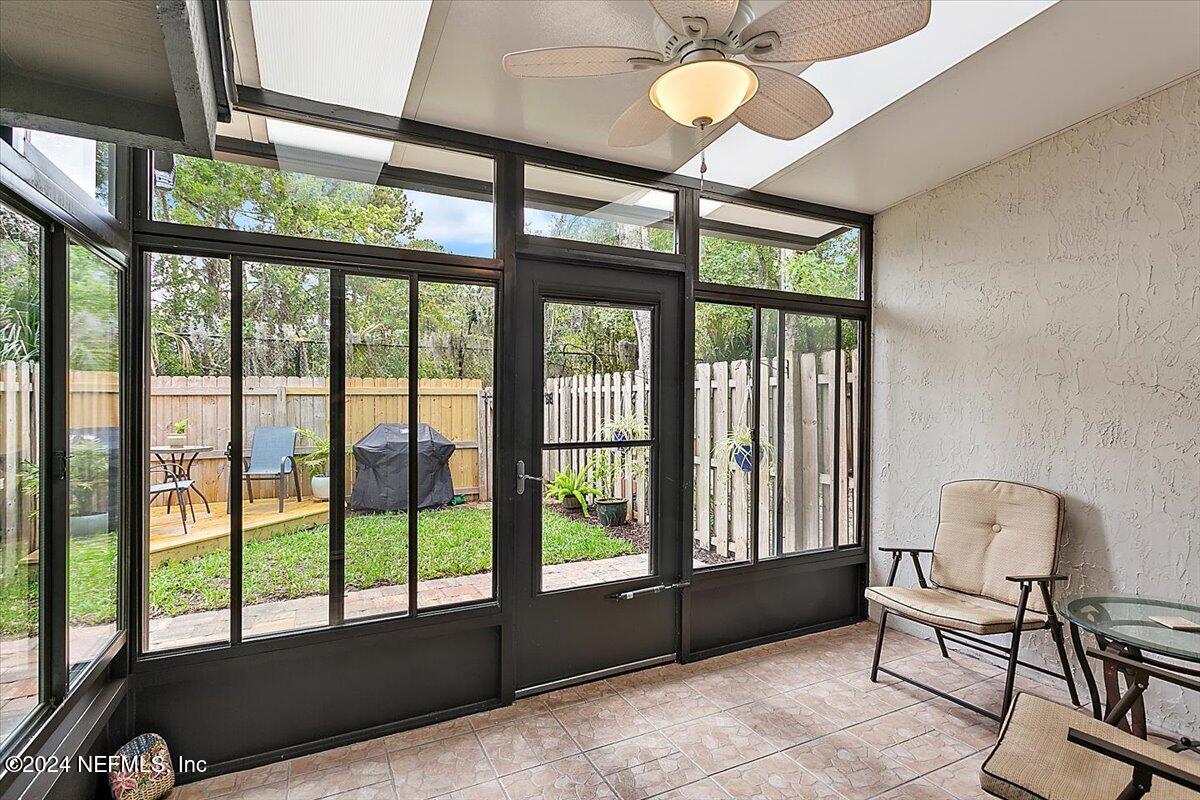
(180, 427)
(316, 462)
(20, 287)
(87, 482)
(569, 483)
(93, 298)
(29, 478)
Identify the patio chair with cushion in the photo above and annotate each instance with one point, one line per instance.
(1049, 751)
(272, 458)
(995, 542)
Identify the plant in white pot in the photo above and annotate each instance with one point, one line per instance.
(317, 463)
(179, 436)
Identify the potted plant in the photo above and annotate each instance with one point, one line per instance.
(87, 486)
(607, 468)
(571, 488)
(626, 428)
(317, 463)
(179, 437)
(737, 448)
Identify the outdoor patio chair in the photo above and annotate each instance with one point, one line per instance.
(995, 541)
(1047, 750)
(272, 458)
(175, 484)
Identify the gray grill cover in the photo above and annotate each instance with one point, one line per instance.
(381, 476)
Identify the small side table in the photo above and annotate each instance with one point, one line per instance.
(1122, 625)
(183, 456)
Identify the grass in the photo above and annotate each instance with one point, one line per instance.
(451, 542)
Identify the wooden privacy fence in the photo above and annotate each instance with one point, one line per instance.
(796, 484)
(450, 406)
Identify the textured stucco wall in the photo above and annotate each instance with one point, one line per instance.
(1038, 320)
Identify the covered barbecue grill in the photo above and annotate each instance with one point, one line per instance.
(381, 476)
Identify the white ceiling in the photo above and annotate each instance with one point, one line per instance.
(961, 107)
(1071, 62)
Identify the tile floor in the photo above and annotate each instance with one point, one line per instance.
(795, 719)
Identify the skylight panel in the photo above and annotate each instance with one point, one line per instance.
(354, 53)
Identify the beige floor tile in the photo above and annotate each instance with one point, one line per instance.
(929, 751)
(526, 743)
(960, 779)
(916, 790)
(528, 707)
(841, 703)
(336, 757)
(268, 791)
(427, 733)
(680, 709)
(961, 723)
(218, 786)
(572, 778)
(651, 688)
(729, 687)
(851, 766)
(603, 721)
(786, 671)
(718, 742)
(775, 777)
(706, 789)
(440, 767)
(654, 777)
(577, 694)
(378, 791)
(354, 775)
(894, 728)
(482, 791)
(783, 721)
(631, 752)
(262, 776)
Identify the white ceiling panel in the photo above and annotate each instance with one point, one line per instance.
(1069, 63)
(459, 81)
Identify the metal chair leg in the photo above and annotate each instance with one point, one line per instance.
(1011, 675)
(282, 490)
(1056, 632)
(878, 646)
(296, 480)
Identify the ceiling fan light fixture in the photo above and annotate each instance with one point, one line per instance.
(703, 93)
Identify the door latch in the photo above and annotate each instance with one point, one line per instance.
(522, 477)
(662, 587)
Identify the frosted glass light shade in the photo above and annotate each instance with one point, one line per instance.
(703, 91)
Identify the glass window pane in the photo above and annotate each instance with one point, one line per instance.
(285, 412)
(376, 542)
(745, 246)
(850, 433)
(723, 442)
(88, 164)
(596, 516)
(797, 450)
(454, 518)
(323, 184)
(188, 473)
(583, 208)
(94, 452)
(597, 370)
(20, 331)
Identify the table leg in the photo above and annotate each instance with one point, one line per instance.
(1088, 676)
(1112, 684)
(194, 487)
(1137, 713)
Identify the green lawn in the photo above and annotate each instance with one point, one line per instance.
(452, 541)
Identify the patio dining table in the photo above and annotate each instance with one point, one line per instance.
(1128, 627)
(183, 457)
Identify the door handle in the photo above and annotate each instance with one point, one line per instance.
(522, 477)
(662, 587)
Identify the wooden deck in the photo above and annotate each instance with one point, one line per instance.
(210, 532)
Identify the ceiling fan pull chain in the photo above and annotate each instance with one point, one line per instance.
(703, 161)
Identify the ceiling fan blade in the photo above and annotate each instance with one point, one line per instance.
(785, 106)
(578, 62)
(696, 17)
(818, 30)
(640, 124)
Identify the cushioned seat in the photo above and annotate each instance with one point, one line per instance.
(954, 610)
(1033, 760)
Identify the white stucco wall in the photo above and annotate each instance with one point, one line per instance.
(1038, 320)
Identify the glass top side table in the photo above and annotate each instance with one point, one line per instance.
(1122, 625)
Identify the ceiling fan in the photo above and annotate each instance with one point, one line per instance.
(703, 82)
